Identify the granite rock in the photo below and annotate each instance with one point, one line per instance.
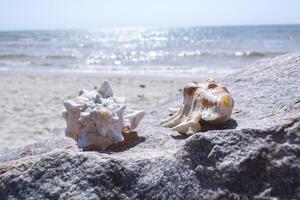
(254, 156)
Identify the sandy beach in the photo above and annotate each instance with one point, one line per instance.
(31, 103)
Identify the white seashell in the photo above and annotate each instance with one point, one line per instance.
(206, 102)
(97, 119)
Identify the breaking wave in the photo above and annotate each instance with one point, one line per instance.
(256, 53)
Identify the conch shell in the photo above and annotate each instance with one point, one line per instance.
(205, 103)
(97, 119)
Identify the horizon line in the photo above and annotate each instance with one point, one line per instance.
(147, 27)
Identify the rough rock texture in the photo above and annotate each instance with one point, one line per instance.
(255, 156)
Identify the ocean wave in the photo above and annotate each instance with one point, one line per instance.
(14, 55)
(200, 71)
(190, 53)
(60, 57)
(137, 59)
(256, 53)
(167, 70)
(168, 57)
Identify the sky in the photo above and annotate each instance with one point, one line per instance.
(96, 14)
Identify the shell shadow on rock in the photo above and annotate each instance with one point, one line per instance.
(131, 139)
(230, 124)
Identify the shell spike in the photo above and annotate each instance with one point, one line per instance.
(134, 118)
(166, 120)
(105, 90)
(118, 137)
(121, 110)
(174, 110)
(175, 121)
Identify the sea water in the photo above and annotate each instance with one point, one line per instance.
(167, 51)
